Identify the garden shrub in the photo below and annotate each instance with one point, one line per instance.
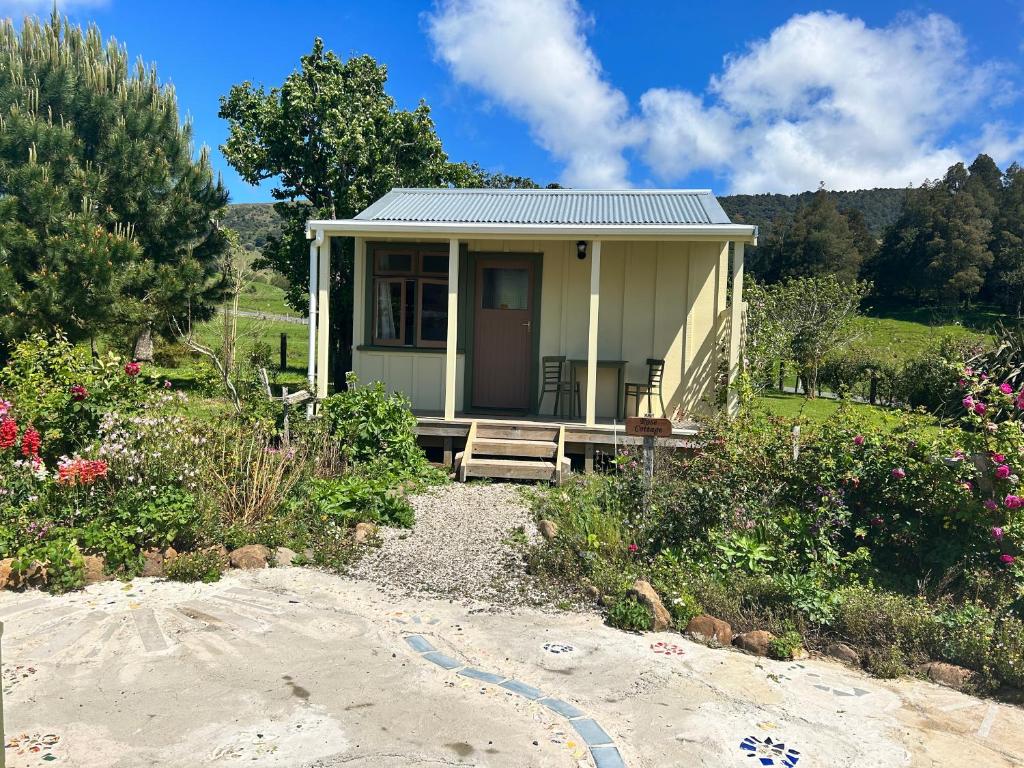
(355, 498)
(375, 428)
(872, 618)
(629, 614)
(887, 662)
(785, 645)
(204, 565)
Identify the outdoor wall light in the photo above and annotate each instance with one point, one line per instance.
(581, 249)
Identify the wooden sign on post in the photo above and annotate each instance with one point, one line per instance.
(645, 426)
(648, 428)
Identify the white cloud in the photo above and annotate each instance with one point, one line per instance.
(827, 98)
(532, 57)
(823, 98)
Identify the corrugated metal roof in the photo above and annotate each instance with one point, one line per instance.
(548, 206)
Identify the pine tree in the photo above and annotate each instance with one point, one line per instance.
(114, 217)
(817, 240)
(1006, 278)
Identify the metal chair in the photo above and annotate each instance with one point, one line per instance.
(554, 384)
(655, 373)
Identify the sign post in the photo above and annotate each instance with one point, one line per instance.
(649, 429)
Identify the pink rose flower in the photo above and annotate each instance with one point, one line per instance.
(1007, 559)
(980, 408)
(968, 371)
(998, 458)
(1005, 388)
(899, 473)
(133, 368)
(991, 505)
(876, 521)
(997, 533)
(1013, 501)
(858, 440)
(968, 402)
(1003, 471)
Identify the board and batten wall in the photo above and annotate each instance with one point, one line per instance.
(658, 299)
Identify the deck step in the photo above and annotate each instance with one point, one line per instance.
(513, 431)
(510, 469)
(491, 446)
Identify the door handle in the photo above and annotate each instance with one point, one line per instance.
(528, 325)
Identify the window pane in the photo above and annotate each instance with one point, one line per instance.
(394, 262)
(435, 263)
(410, 315)
(388, 323)
(505, 288)
(434, 312)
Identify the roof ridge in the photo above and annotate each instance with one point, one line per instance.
(501, 191)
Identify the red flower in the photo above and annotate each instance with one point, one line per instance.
(78, 392)
(899, 473)
(133, 368)
(633, 549)
(30, 442)
(81, 471)
(1007, 559)
(8, 433)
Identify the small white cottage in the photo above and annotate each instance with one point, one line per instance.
(568, 307)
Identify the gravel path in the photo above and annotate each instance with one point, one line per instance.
(466, 544)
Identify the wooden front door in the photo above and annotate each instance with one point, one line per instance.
(503, 334)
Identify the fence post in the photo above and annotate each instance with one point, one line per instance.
(782, 375)
(796, 442)
(284, 351)
(873, 395)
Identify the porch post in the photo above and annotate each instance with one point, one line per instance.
(323, 325)
(595, 291)
(358, 300)
(314, 249)
(735, 329)
(451, 345)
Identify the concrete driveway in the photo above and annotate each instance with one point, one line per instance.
(292, 667)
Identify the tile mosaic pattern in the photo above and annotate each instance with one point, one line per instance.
(668, 649)
(601, 745)
(558, 648)
(769, 753)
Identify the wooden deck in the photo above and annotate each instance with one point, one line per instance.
(433, 430)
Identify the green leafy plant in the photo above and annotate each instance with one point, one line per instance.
(204, 565)
(785, 645)
(629, 614)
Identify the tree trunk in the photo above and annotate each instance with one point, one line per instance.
(144, 345)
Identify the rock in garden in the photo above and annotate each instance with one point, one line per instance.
(755, 642)
(548, 529)
(9, 578)
(250, 557)
(708, 629)
(169, 554)
(365, 532)
(593, 593)
(948, 674)
(95, 569)
(153, 563)
(661, 619)
(844, 653)
(284, 556)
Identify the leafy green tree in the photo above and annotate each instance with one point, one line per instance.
(816, 240)
(334, 141)
(1006, 279)
(109, 219)
(817, 315)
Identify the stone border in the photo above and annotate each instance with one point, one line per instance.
(602, 746)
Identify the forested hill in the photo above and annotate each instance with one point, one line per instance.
(253, 222)
(880, 207)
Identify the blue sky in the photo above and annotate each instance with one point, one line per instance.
(744, 96)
